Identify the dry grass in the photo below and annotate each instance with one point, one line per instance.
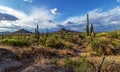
(42, 60)
(108, 58)
(51, 56)
(33, 52)
(64, 52)
(115, 67)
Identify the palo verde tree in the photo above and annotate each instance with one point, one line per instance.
(37, 34)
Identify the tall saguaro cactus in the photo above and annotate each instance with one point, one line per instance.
(92, 33)
(91, 29)
(37, 34)
(87, 26)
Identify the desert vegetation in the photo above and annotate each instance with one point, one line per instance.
(78, 51)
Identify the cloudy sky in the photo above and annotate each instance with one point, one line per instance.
(56, 14)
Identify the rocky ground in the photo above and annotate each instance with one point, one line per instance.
(9, 62)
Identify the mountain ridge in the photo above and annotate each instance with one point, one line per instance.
(22, 31)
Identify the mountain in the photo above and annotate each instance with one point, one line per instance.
(22, 31)
(8, 17)
(7, 32)
(64, 31)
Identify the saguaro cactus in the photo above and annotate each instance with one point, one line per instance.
(87, 26)
(92, 30)
(37, 34)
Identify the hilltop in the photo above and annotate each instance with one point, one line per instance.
(22, 31)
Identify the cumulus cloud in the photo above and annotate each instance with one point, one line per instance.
(102, 20)
(30, 1)
(54, 11)
(40, 16)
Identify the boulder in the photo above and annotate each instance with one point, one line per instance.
(46, 68)
(7, 64)
(7, 53)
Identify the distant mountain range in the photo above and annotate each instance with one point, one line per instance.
(63, 30)
(8, 17)
(22, 31)
(6, 32)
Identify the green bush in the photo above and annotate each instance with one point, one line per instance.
(103, 34)
(68, 62)
(54, 42)
(42, 40)
(100, 47)
(115, 43)
(113, 34)
(12, 42)
(79, 65)
(68, 38)
(68, 46)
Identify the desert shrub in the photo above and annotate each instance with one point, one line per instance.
(37, 53)
(100, 47)
(13, 42)
(103, 34)
(68, 46)
(115, 43)
(113, 34)
(68, 38)
(43, 40)
(53, 41)
(72, 38)
(68, 62)
(80, 65)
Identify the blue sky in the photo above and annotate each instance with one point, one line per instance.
(54, 14)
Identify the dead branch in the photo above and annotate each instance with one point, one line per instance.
(100, 65)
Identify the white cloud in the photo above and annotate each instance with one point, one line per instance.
(54, 11)
(102, 20)
(40, 16)
(8, 10)
(30, 1)
(118, 0)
